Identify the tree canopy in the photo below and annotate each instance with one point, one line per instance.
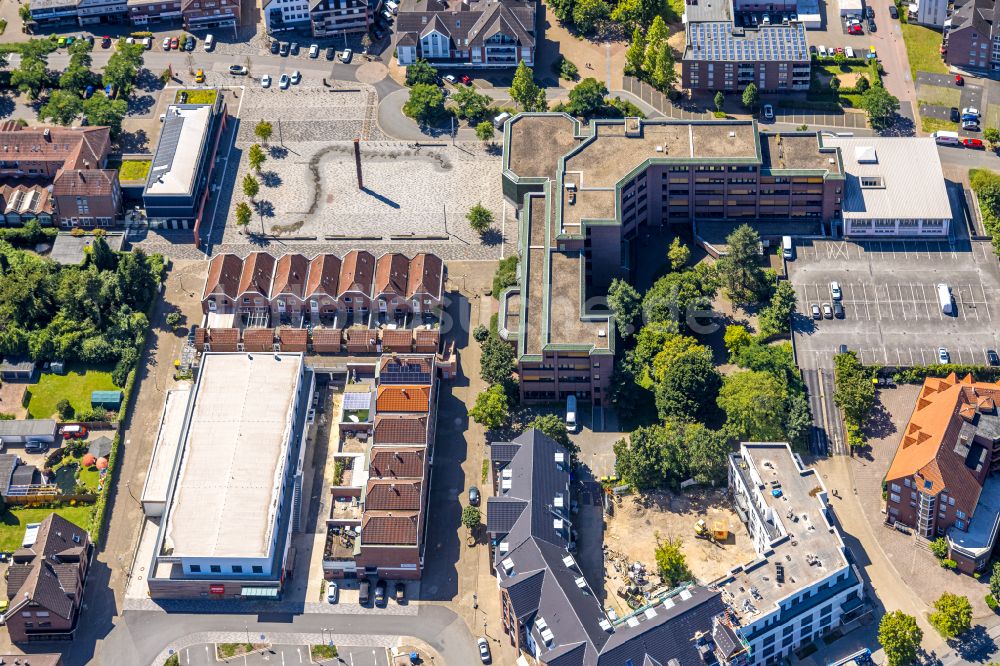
(670, 562)
(952, 615)
(900, 638)
(525, 92)
(99, 110)
(880, 106)
(491, 408)
(587, 97)
(62, 108)
(426, 103)
(754, 403)
(554, 427)
(665, 455)
(740, 268)
(626, 304)
(421, 72)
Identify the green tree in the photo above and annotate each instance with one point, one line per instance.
(626, 304)
(740, 269)
(554, 427)
(939, 548)
(101, 255)
(798, 422)
(425, 104)
(587, 13)
(65, 410)
(720, 101)
(751, 98)
(635, 53)
(24, 11)
(173, 319)
(63, 106)
(670, 562)
(99, 110)
(77, 74)
(952, 615)
(470, 104)
(688, 387)
(471, 517)
(256, 157)
(754, 403)
(663, 74)
(30, 76)
(776, 317)
(834, 84)
(854, 391)
(677, 296)
(480, 218)
(485, 132)
(900, 637)
(497, 362)
(563, 9)
(263, 130)
(523, 89)
(567, 70)
(506, 275)
(491, 408)
(673, 347)
(678, 254)
(122, 68)
(840, 59)
(995, 581)
(421, 72)
(861, 84)
(665, 455)
(587, 97)
(880, 106)
(243, 214)
(637, 13)
(655, 36)
(736, 338)
(251, 186)
(992, 136)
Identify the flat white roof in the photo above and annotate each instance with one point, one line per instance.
(175, 163)
(912, 183)
(226, 495)
(168, 441)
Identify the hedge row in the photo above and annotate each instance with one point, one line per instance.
(918, 373)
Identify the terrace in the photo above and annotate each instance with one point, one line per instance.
(341, 544)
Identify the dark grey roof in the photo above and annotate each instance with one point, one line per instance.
(502, 513)
(7, 463)
(714, 41)
(25, 475)
(525, 592)
(27, 427)
(469, 23)
(100, 447)
(503, 451)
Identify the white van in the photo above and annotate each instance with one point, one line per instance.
(786, 247)
(209, 42)
(944, 298)
(501, 119)
(946, 138)
(822, 51)
(848, 51)
(571, 413)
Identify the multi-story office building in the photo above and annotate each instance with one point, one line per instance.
(90, 12)
(585, 193)
(143, 12)
(235, 481)
(974, 37)
(203, 14)
(470, 33)
(721, 55)
(941, 481)
(325, 18)
(802, 586)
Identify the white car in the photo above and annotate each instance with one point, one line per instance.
(345, 55)
(768, 112)
(331, 593)
(943, 356)
(314, 51)
(484, 650)
(296, 77)
(450, 78)
(970, 111)
(835, 291)
(283, 81)
(970, 125)
(265, 81)
(147, 43)
(166, 43)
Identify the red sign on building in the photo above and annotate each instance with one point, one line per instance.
(217, 589)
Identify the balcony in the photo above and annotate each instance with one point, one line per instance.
(340, 544)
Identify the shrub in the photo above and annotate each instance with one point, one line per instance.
(940, 548)
(949, 564)
(991, 602)
(480, 333)
(65, 409)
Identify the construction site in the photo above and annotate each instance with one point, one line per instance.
(712, 538)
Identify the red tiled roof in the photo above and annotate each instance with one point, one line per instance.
(357, 272)
(224, 275)
(327, 340)
(258, 339)
(398, 340)
(223, 339)
(324, 275)
(389, 530)
(400, 429)
(258, 271)
(293, 339)
(426, 275)
(427, 340)
(397, 463)
(360, 339)
(75, 148)
(85, 183)
(391, 272)
(392, 496)
(290, 275)
(412, 399)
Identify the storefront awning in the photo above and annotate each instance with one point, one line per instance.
(259, 592)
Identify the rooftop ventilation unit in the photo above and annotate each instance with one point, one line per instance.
(685, 594)
(560, 457)
(581, 582)
(659, 149)
(569, 561)
(558, 502)
(605, 625)
(650, 613)
(508, 566)
(732, 135)
(504, 547)
(557, 524)
(632, 621)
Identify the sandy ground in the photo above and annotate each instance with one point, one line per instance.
(640, 520)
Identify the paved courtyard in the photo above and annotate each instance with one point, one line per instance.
(909, 555)
(891, 312)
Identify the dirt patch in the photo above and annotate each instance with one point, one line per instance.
(640, 520)
(11, 397)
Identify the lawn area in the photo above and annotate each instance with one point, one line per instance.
(87, 476)
(922, 49)
(76, 386)
(13, 523)
(937, 125)
(197, 96)
(134, 169)
(939, 96)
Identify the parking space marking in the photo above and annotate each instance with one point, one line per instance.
(898, 302)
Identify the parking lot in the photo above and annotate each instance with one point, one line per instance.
(940, 98)
(891, 311)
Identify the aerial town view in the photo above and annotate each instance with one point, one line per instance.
(509, 332)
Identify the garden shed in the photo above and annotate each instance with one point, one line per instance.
(17, 367)
(106, 399)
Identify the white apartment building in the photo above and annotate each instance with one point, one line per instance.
(802, 585)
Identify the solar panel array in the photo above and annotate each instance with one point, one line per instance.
(357, 400)
(167, 147)
(716, 41)
(403, 374)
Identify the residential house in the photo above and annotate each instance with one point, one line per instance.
(254, 291)
(20, 203)
(52, 13)
(473, 33)
(283, 15)
(391, 277)
(91, 12)
(357, 275)
(329, 18)
(87, 197)
(322, 286)
(288, 289)
(143, 12)
(425, 282)
(203, 14)
(973, 40)
(941, 481)
(222, 285)
(45, 582)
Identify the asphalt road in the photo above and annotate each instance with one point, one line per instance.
(285, 655)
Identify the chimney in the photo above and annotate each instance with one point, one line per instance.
(405, 394)
(47, 133)
(357, 162)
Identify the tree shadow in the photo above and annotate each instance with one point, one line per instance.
(265, 208)
(491, 237)
(149, 82)
(879, 423)
(133, 142)
(975, 645)
(141, 105)
(7, 105)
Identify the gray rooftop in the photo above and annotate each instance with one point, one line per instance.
(982, 531)
(69, 250)
(911, 183)
(722, 41)
(27, 428)
(178, 153)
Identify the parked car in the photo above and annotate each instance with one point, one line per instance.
(314, 51)
(147, 43)
(265, 81)
(466, 79)
(973, 143)
(90, 39)
(971, 125)
(827, 311)
(346, 55)
(870, 11)
(943, 355)
(484, 650)
(970, 111)
(871, 25)
(238, 70)
(855, 30)
(835, 291)
(815, 312)
(106, 42)
(36, 447)
(166, 43)
(275, 46)
(331, 592)
(450, 78)
(294, 48)
(296, 77)
(959, 81)
(364, 591)
(183, 97)
(992, 358)
(838, 310)
(88, 92)
(768, 112)
(283, 51)
(128, 40)
(474, 496)
(73, 432)
(174, 43)
(199, 76)
(893, 12)
(283, 81)
(400, 591)
(189, 43)
(840, 49)
(380, 592)
(331, 53)
(110, 91)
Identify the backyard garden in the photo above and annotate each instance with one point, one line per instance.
(841, 81)
(75, 387)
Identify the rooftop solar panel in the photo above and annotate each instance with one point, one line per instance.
(357, 400)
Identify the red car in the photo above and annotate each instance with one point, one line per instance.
(105, 42)
(972, 143)
(840, 49)
(855, 30)
(466, 80)
(174, 43)
(959, 81)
